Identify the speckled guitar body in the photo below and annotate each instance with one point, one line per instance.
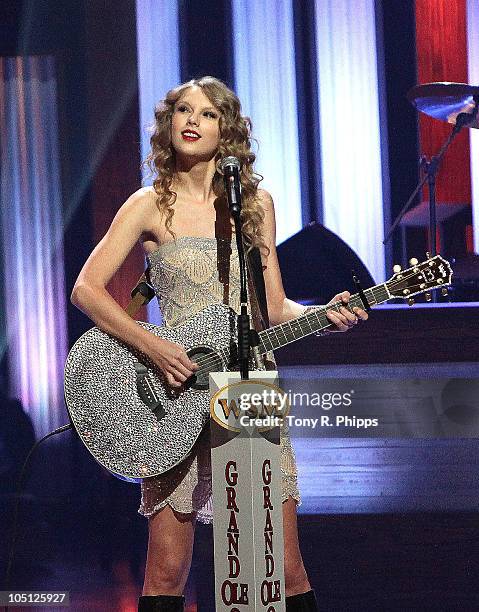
(129, 419)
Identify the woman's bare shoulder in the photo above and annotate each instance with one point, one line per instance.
(140, 205)
(144, 197)
(264, 197)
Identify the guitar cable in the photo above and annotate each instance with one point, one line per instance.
(17, 494)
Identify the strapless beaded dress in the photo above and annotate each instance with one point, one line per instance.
(189, 274)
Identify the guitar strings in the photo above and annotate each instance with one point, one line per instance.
(210, 359)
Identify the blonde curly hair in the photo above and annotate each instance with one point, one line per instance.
(235, 139)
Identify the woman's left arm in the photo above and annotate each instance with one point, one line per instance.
(280, 308)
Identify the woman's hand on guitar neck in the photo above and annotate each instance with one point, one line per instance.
(345, 318)
(172, 360)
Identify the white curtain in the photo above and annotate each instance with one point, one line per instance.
(32, 241)
(158, 71)
(265, 82)
(350, 130)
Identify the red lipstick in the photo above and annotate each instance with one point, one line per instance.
(190, 135)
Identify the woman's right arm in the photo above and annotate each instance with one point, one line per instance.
(91, 296)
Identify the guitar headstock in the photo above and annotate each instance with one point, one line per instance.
(434, 273)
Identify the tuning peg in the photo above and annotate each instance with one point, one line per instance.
(397, 268)
(413, 261)
(444, 291)
(410, 302)
(428, 296)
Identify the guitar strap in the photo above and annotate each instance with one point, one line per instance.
(143, 291)
(257, 287)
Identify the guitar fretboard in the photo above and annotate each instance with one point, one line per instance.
(315, 320)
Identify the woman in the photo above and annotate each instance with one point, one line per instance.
(184, 225)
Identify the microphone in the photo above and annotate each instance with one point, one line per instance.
(230, 166)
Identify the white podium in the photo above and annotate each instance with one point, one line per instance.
(247, 502)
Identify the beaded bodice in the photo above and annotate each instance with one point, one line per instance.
(193, 272)
(188, 275)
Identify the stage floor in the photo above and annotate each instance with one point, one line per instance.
(399, 473)
(385, 524)
(356, 563)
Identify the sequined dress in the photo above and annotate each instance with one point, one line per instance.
(189, 274)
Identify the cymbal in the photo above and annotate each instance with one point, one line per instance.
(444, 101)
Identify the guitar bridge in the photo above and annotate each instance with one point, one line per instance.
(146, 391)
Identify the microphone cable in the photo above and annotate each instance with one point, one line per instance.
(17, 494)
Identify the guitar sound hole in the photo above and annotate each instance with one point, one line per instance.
(209, 361)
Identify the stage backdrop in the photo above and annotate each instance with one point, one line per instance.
(157, 36)
(32, 240)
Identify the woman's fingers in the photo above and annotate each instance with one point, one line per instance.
(171, 380)
(173, 361)
(186, 362)
(338, 319)
(342, 298)
(183, 369)
(177, 375)
(350, 318)
(362, 314)
(344, 318)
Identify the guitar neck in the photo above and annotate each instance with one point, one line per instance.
(315, 320)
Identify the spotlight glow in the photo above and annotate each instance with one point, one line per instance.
(158, 71)
(350, 131)
(265, 81)
(32, 227)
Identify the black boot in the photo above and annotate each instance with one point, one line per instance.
(161, 603)
(304, 602)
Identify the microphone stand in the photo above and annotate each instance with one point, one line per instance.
(243, 320)
(430, 169)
